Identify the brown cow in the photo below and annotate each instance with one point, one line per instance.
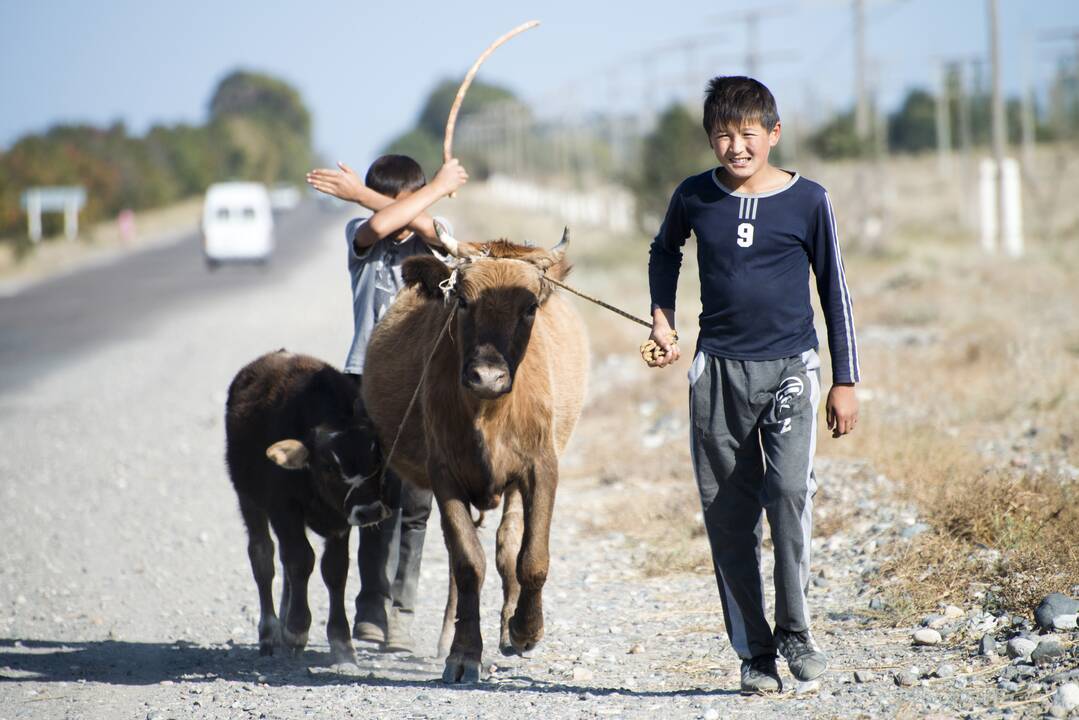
(504, 389)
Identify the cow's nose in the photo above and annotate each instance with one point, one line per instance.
(487, 380)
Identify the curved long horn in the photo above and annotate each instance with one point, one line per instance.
(451, 121)
(555, 254)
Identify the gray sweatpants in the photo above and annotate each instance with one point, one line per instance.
(752, 436)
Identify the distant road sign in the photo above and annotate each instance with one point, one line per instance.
(66, 199)
(55, 198)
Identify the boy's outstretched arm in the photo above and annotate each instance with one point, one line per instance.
(346, 185)
(399, 213)
(664, 264)
(841, 406)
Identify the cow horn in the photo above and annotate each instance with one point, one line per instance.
(453, 248)
(555, 254)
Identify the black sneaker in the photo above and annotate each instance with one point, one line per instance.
(759, 675)
(804, 658)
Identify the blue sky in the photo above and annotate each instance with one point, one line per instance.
(364, 68)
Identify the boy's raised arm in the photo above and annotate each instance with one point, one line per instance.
(346, 185)
(400, 213)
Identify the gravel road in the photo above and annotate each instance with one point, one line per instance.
(125, 589)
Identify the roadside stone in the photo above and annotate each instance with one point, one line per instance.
(864, 676)
(1021, 648)
(1066, 697)
(1065, 622)
(635, 649)
(905, 678)
(953, 611)
(711, 714)
(945, 671)
(1046, 652)
(926, 636)
(1052, 606)
(582, 674)
(934, 621)
(876, 603)
(987, 645)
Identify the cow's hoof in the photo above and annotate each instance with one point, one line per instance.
(460, 671)
(294, 642)
(523, 643)
(342, 653)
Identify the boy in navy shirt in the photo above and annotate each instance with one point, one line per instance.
(755, 378)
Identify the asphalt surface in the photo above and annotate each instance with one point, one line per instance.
(52, 323)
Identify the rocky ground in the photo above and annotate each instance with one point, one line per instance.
(125, 589)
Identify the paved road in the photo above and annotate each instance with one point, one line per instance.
(52, 323)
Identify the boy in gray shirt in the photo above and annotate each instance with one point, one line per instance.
(395, 188)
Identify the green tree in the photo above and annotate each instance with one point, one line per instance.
(258, 129)
(674, 150)
(913, 127)
(423, 142)
(262, 127)
(436, 109)
(837, 139)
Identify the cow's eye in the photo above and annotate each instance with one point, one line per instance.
(462, 302)
(531, 309)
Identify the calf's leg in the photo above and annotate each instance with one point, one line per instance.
(510, 532)
(260, 549)
(526, 625)
(335, 574)
(469, 565)
(448, 616)
(299, 561)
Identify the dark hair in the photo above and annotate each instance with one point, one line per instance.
(736, 99)
(390, 175)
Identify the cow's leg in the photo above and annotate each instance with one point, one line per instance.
(468, 565)
(335, 574)
(448, 617)
(510, 532)
(526, 625)
(299, 561)
(260, 549)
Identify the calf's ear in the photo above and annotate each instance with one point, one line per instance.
(425, 272)
(289, 454)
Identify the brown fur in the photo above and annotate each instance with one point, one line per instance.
(472, 451)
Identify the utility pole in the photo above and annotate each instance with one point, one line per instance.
(1026, 114)
(862, 121)
(752, 19)
(944, 124)
(999, 128)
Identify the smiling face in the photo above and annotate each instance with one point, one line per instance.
(742, 149)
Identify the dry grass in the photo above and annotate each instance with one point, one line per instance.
(971, 410)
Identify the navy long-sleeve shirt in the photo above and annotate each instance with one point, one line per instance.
(754, 252)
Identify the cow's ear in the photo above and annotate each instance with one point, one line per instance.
(289, 454)
(425, 272)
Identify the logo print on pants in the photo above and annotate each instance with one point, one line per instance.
(789, 390)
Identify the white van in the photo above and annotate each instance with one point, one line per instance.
(237, 223)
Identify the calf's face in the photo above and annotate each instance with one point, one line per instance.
(497, 299)
(344, 464)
